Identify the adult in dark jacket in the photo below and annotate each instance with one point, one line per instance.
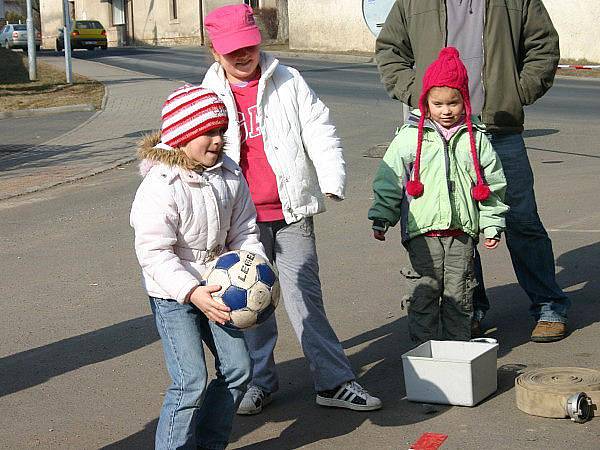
(510, 48)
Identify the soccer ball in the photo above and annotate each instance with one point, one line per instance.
(249, 286)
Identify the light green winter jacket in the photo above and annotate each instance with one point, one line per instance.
(448, 174)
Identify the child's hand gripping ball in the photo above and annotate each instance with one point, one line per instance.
(249, 287)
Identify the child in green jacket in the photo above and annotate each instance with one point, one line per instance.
(442, 180)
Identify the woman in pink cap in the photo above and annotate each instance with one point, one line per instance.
(441, 179)
(287, 147)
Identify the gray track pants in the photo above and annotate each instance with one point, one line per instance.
(292, 249)
(440, 283)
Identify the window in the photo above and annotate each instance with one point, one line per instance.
(253, 3)
(118, 12)
(173, 9)
(89, 25)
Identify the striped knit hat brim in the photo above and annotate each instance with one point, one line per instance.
(189, 112)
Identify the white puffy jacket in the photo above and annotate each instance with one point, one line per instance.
(300, 141)
(183, 218)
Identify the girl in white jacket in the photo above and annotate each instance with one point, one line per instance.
(287, 147)
(192, 205)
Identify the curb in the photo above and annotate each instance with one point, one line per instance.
(89, 173)
(81, 176)
(20, 113)
(85, 122)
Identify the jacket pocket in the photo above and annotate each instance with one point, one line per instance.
(307, 226)
(412, 278)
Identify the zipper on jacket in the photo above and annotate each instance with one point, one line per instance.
(445, 28)
(268, 77)
(487, 6)
(228, 97)
(449, 182)
(284, 178)
(445, 143)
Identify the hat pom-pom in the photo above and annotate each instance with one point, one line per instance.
(414, 188)
(481, 192)
(449, 52)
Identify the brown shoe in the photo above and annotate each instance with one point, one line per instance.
(548, 331)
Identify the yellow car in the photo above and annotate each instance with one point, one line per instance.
(85, 34)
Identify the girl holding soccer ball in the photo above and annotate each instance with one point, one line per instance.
(192, 205)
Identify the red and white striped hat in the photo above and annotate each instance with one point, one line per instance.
(189, 112)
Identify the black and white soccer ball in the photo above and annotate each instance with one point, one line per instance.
(249, 286)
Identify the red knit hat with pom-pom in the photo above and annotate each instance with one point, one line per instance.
(447, 71)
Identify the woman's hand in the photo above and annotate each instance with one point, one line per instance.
(214, 310)
(491, 244)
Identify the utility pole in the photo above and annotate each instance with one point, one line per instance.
(31, 43)
(67, 41)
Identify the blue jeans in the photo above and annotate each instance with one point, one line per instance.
(526, 238)
(193, 414)
(292, 248)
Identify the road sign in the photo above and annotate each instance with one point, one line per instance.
(375, 13)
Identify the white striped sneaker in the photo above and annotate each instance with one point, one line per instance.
(253, 402)
(350, 395)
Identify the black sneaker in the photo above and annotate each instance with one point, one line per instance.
(350, 395)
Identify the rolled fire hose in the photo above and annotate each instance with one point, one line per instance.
(559, 392)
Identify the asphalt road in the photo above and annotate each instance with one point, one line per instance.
(358, 81)
(80, 363)
(22, 133)
(572, 97)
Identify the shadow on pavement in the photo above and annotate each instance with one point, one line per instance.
(13, 148)
(538, 132)
(14, 156)
(579, 272)
(509, 314)
(32, 367)
(49, 155)
(142, 439)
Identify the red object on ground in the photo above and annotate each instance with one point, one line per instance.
(429, 441)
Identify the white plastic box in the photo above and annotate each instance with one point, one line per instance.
(451, 372)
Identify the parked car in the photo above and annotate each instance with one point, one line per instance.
(14, 35)
(87, 34)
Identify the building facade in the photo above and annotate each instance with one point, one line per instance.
(135, 22)
(322, 25)
(338, 25)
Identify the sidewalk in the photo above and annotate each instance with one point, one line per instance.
(106, 140)
(132, 107)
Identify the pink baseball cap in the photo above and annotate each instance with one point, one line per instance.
(231, 28)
